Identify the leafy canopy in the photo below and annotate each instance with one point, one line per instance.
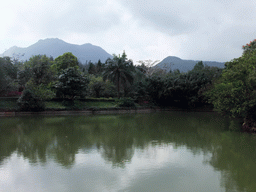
(120, 71)
(71, 83)
(235, 92)
(65, 61)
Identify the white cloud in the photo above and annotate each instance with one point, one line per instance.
(201, 30)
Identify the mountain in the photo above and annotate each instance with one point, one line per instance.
(172, 63)
(55, 47)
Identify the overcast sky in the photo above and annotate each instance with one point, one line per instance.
(212, 30)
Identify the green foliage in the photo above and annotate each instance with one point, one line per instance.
(10, 69)
(71, 83)
(38, 67)
(91, 68)
(41, 91)
(199, 66)
(100, 88)
(37, 76)
(24, 76)
(249, 47)
(120, 71)
(155, 88)
(65, 61)
(29, 102)
(8, 104)
(180, 89)
(234, 93)
(96, 86)
(126, 102)
(8, 75)
(175, 72)
(140, 91)
(110, 90)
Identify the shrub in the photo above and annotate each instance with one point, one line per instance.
(29, 102)
(126, 102)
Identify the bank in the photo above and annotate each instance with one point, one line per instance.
(8, 107)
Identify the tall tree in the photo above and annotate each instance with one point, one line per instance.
(71, 83)
(39, 67)
(198, 66)
(119, 70)
(235, 92)
(36, 78)
(8, 75)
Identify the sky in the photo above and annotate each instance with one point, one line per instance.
(212, 30)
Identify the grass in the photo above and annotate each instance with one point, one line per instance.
(54, 105)
(6, 104)
(101, 104)
(80, 104)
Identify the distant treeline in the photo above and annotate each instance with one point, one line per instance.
(231, 90)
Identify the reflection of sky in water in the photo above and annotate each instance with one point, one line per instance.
(154, 168)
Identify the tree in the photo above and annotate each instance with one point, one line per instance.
(91, 68)
(38, 77)
(96, 86)
(99, 67)
(96, 68)
(235, 92)
(119, 70)
(182, 89)
(198, 66)
(28, 101)
(42, 92)
(24, 76)
(40, 71)
(148, 67)
(8, 75)
(71, 83)
(155, 88)
(249, 47)
(65, 61)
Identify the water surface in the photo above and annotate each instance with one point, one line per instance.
(170, 151)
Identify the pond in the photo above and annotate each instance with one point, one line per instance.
(167, 151)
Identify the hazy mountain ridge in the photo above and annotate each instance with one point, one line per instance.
(172, 63)
(88, 52)
(55, 47)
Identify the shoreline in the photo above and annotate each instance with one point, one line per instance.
(99, 111)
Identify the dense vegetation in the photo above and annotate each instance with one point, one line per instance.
(231, 91)
(235, 91)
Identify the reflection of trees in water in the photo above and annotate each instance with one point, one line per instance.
(117, 147)
(116, 137)
(36, 140)
(235, 158)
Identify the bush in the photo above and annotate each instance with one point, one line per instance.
(126, 102)
(68, 103)
(29, 102)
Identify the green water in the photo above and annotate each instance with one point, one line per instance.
(171, 151)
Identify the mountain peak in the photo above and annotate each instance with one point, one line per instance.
(173, 58)
(55, 47)
(50, 41)
(172, 63)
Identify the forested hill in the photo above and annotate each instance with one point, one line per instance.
(55, 47)
(172, 63)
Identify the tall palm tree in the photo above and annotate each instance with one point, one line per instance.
(119, 70)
